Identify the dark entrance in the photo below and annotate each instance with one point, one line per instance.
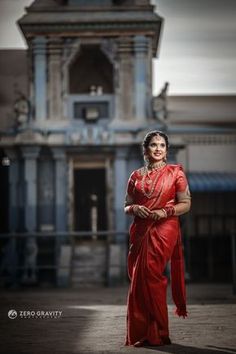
(90, 200)
(4, 192)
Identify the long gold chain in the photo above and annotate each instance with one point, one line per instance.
(148, 195)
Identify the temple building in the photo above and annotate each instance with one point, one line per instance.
(75, 107)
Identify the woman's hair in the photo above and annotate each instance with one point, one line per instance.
(148, 137)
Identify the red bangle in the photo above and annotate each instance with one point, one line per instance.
(170, 210)
(130, 210)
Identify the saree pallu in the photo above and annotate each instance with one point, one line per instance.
(152, 245)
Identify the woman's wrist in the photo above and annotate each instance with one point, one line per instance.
(164, 212)
(169, 211)
(132, 209)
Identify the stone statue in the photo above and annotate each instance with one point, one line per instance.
(160, 105)
(21, 109)
(163, 92)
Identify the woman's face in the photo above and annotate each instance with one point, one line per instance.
(156, 150)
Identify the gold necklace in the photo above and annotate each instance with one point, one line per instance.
(148, 195)
(156, 166)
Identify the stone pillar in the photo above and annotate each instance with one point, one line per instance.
(135, 159)
(124, 81)
(46, 193)
(63, 251)
(13, 190)
(118, 250)
(10, 257)
(140, 78)
(54, 79)
(30, 155)
(120, 174)
(40, 79)
(60, 189)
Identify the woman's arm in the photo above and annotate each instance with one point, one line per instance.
(178, 209)
(143, 212)
(182, 207)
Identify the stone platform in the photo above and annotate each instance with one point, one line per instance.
(93, 321)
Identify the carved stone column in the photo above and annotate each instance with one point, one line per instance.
(14, 189)
(124, 81)
(120, 172)
(10, 257)
(141, 78)
(63, 251)
(40, 79)
(60, 189)
(118, 250)
(30, 155)
(55, 79)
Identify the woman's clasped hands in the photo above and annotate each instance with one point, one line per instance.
(143, 212)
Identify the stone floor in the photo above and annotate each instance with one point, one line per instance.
(93, 321)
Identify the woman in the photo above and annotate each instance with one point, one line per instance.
(156, 195)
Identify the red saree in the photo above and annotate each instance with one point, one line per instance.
(152, 245)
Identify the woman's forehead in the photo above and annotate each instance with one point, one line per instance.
(157, 138)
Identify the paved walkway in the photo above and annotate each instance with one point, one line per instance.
(93, 321)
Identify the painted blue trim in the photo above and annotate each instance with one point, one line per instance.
(212, 182)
